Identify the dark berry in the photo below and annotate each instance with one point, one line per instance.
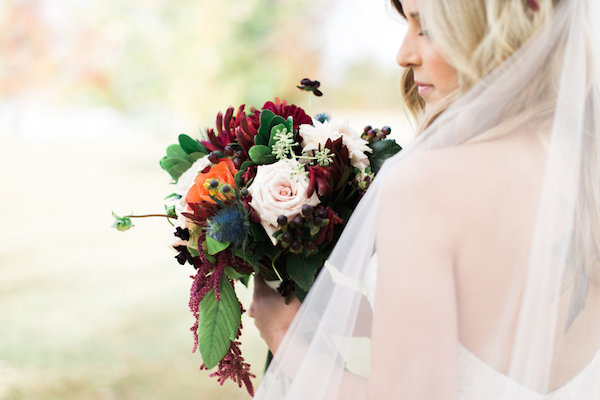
(213, 157)
(226, 189)
(237, 163)
(386, 130)
(239, 154)
(214, 183)
(286, 237)
(228, 150)
(322, 213)
(310, 246)
(298, 221)
(367, 128)
(307, 210)
(296, 245)
(372, 133)
(245, 192)
(282, 220)
(318, 221)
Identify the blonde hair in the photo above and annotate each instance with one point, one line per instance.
(475, 37)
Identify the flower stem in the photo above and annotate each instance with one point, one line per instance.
(150, 215)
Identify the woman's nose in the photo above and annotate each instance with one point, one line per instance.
(407, 55)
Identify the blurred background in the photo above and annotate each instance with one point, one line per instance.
(91, 93)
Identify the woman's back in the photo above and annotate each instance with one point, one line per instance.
(492, 192)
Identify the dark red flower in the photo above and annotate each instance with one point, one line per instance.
(281, 108)
(201, 211)
(232, 129)
(319, 178)
(325, 178)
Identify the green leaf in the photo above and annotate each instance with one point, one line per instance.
(175, 166)
(178, 170)
(267, 121)
(213, 246)
(233, 274)
(264, 131)
(299, 293)
(260, 154)
(175, 151)
(382, 150)
(239, 180)
(190, 145)
(218, 323)
(193, 157)
(302, 269)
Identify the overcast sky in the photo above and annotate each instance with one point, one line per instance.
(362, 28)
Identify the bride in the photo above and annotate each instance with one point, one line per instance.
(471, 269)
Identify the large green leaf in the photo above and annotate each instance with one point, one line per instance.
(175, 166)
(302, 269)
(218, 323)
(233, 274)
(193, 157)
(175, 151)
(267, 121)
(190, 145)
(260, 154)
(264, 131)
(382, 150)
(213, 246)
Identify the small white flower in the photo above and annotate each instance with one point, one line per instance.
(313, 136)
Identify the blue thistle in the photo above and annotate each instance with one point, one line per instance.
(229, 225)
(322, 117)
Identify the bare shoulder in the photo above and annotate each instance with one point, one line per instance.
(448, 176)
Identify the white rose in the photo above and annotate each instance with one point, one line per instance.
(313, 136)
(186, 180)
(279, 189)
(183, 185)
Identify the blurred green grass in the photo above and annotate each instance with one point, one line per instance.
(87, 312)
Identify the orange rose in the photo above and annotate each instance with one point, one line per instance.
(212, 182)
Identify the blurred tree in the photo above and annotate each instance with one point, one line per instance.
(25, 60)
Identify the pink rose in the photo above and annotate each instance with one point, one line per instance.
(279, 189)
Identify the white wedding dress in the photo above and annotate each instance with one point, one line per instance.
(477, 380)
(550, 87)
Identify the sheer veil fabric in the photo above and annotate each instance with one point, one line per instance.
(548, 88)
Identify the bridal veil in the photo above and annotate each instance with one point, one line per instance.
(551, 84)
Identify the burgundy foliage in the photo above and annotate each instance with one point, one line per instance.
(325, 178)
(234, 367)
(232, 129)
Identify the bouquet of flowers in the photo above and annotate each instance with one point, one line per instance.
(267, 192)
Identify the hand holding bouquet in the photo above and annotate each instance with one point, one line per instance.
(266, 193)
